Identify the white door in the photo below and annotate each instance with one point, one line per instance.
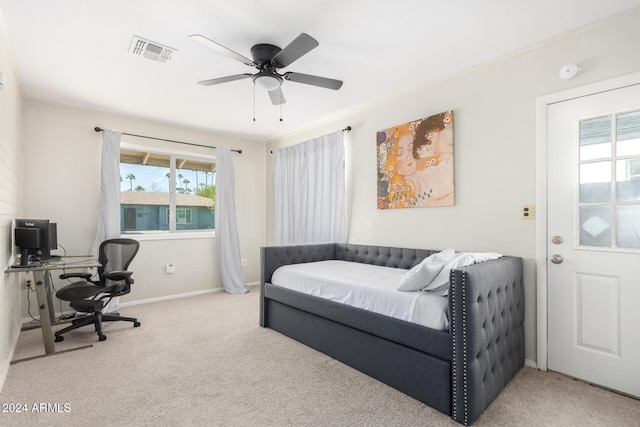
(594, 239)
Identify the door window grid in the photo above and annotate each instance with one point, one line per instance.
(609, 182)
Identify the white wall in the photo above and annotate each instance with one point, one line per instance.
(10, 200)
(62, 183)
(494, 148)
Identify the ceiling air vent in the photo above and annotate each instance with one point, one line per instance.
(150, 50)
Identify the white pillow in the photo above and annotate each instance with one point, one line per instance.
(440, 284)
(422, 274)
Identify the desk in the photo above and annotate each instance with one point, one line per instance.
(43, 291)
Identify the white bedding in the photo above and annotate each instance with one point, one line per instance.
(365, 286)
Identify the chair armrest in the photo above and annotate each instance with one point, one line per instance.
(119, 275)
(85, 276)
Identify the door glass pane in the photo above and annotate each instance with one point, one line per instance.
(605, 143)
(595, 138)
(628, 180)
(595, 226)
(628, 226)
(628, 134)
(595, 182)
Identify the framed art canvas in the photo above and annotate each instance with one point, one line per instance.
(415, 163)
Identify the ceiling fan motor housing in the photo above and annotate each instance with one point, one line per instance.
(267, 77)
(262, 55)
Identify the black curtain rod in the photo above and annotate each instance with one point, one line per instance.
(98, 129)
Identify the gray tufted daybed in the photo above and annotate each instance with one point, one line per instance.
(459, 372)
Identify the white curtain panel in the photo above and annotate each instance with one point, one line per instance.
(109, 219)
(308, 187)
(227, 242)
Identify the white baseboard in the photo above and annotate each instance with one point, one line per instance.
(170, 297)
(177, 296)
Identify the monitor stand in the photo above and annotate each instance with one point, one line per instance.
(24, 257)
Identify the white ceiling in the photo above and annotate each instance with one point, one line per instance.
(75, 52)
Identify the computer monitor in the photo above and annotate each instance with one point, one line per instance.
(35, 238)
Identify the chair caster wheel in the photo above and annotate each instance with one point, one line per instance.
(60, 338)
(102, 337)
(136, 324)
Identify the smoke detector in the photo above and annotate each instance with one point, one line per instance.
(569, 71)
(150, 50)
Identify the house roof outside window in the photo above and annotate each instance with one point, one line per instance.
(154, 198)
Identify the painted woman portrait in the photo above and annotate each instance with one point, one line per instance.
(395, 165)
(414, 160)
(433, 151)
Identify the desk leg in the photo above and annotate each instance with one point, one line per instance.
(49, 288)
(44, 310)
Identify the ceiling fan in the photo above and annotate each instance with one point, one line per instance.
(267, 59)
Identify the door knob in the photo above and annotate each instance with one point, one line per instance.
(556, 259)
(556, 240)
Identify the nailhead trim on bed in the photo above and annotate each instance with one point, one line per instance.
(454, 337)
(464, 349)
(487, 327)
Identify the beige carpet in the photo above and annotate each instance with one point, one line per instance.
(204, 361)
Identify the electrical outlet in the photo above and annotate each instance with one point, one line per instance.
(29, 284)
(244, 262)
(528, 212)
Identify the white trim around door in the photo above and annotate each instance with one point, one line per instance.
(542, 104)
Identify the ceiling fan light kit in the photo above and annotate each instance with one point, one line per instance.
(267, 59)
(267, 81)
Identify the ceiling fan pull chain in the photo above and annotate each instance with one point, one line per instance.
(254, 103)
(280, 105)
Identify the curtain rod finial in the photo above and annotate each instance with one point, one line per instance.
(348, 129)
(97, 129)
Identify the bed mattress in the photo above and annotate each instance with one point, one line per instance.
(365, 286)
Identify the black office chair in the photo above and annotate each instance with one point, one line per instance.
(91, 296)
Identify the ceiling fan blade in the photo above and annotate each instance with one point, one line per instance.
(220, 49)
(308, 79)
(300, 46)
(219, 80)
(277, 97)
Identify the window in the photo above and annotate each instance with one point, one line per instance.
(183, 216)
(164, 192)
(609, 192)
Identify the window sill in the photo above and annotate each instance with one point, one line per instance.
(185, 235)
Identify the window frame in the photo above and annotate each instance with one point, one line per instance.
(612, 156)
(173, 232)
